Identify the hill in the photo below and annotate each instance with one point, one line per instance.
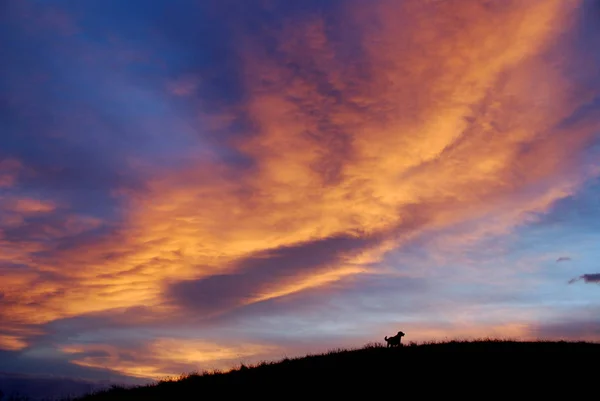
(486, 369)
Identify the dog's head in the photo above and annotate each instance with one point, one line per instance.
(400, 334)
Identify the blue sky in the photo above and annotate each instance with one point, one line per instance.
(189, 185)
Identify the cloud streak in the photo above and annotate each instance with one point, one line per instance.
(163, 357)
(587, 278)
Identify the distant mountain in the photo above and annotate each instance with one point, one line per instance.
(47, 387)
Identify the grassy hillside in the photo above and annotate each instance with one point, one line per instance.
(485, 368)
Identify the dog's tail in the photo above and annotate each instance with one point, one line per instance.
(385, 338)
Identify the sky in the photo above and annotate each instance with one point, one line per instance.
(188, 185)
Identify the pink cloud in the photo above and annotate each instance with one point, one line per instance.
(9, 169)
(184, 86)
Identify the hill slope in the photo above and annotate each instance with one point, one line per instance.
(486, 368)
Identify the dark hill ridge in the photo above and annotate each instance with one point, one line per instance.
(485, 369)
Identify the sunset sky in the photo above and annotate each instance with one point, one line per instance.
(195, 184)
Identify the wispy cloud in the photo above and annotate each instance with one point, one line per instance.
(327, 161)
(563, 259)
(164, 357)
(587, 278)
(11, 343)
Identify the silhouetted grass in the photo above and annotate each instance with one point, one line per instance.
(486, 367)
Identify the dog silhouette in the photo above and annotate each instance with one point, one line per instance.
(394, 341)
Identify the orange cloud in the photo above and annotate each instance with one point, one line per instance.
(11, 343)
(165, 357)
(450, 114)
